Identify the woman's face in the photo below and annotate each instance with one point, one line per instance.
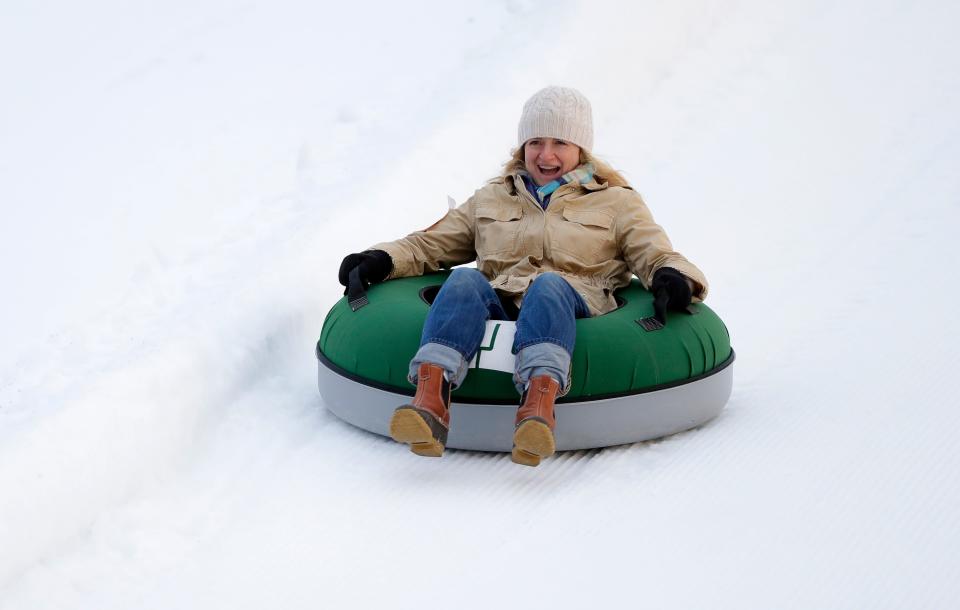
(546, 159)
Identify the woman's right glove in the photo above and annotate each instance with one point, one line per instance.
(373, 266)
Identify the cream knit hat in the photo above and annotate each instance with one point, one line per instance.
(557, 112)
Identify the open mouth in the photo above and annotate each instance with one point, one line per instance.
(550, 171)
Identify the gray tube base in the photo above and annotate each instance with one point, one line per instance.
(580, 425)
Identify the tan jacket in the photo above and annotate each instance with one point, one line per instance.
(592, 234)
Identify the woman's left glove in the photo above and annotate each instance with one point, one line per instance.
(374, 266)
(670, 291)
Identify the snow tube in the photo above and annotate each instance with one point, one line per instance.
(631, 381)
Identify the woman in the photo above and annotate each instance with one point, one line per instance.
(554, 236)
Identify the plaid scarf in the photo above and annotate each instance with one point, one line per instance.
(581, 175)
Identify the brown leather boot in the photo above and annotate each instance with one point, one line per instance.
(533, 435)
(424, 422)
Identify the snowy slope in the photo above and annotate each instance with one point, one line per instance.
(179, 182)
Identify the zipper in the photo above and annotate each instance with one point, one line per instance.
(543, 214)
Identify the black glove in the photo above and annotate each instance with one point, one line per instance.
(374, 265)
(670, 291)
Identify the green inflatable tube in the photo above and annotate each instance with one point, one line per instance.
(638, 381)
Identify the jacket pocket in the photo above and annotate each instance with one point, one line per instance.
(585, 235)
(589, 218)
(497, 229)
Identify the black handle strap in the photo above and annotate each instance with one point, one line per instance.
(660, 305)
(356, 290)
(659, 318)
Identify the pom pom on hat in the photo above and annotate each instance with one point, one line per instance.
(557, 112)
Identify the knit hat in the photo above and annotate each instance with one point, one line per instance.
(557, 112)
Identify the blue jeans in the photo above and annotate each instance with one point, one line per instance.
(546, 327)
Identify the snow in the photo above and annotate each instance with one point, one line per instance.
(179, 184)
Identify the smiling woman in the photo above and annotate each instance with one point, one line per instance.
(546, 159)
(554, 237)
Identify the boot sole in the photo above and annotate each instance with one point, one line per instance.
(532, 441)
(409, 426)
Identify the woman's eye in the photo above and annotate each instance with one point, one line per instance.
(561, 143)
(534, 142)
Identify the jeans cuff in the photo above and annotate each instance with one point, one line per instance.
(447, 358)
(543, 359)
